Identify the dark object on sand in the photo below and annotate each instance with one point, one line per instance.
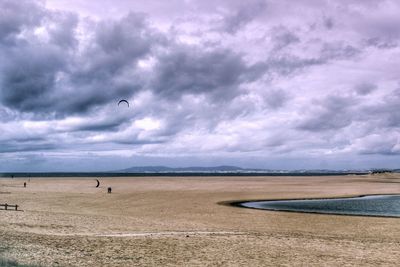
(109, 190)
(24, 184)
(123, 101)
(7, 206)
(98, 183)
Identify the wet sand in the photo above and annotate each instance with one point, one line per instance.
(180, 221)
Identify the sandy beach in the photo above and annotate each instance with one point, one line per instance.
(185, 221)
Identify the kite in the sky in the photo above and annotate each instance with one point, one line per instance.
(123, 101)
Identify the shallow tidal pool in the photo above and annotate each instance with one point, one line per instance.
(372, 205)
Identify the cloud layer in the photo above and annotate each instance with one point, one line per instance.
(268, 84)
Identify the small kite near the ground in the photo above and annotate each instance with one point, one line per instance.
(98, 183)
(123, 101)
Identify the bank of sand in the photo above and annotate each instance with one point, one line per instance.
(170, 221)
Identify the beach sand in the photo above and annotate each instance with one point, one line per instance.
(180, 221)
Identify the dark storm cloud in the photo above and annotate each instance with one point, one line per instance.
(29, 66)
(123, 42)
(189, 70)
(283, 37)
(107, 69)
(381, 43)
(134, 140)
(332, 113)
(385, 28)
(392, 108)
(365, 88)
(380, 149)
(287, 64)
(338, 50)
(55, 78)
(28, 77)
(244, 14)
(385, 112)
(16, 16)
(18, 147)
(375, 123)
(110, 119)
(62, 29)
(218, 73)
(47, 78)
(7, 115)
(105, 125)
(376, 144)
(276, 98)
(328, 23)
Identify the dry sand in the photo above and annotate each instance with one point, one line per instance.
(177, 221)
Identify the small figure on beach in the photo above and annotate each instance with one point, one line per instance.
(109, 190)
(24, 184)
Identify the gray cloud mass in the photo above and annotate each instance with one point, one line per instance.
(252, 83)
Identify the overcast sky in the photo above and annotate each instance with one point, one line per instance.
(304, 84)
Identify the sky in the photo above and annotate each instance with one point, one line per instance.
(306, 84)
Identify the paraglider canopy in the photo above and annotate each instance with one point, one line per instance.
(123, 101)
